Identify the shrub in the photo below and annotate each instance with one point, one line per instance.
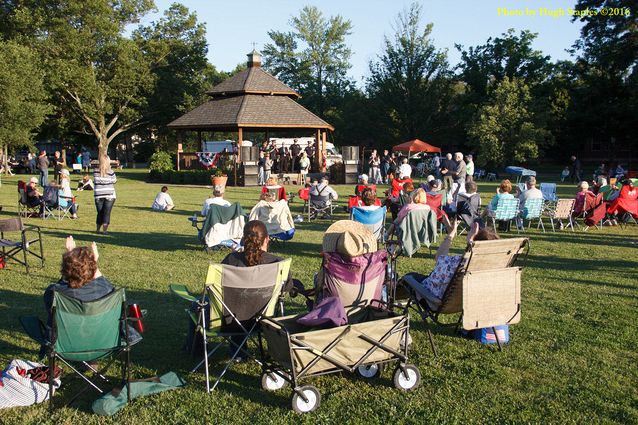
(161, 161)
(181, 177)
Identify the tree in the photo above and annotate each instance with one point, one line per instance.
(177, 45)
(606, 96)
(509, 55)
(23, 103)
(92, 68)
(503, 128)
(409, 81)
(319, 63)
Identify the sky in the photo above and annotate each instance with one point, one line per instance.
(233, 26)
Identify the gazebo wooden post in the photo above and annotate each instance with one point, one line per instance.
(318, 149)
(179, 142)
(323, 147)
(267, 136)
(237, 156)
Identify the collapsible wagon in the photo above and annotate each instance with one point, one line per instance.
(372, 338)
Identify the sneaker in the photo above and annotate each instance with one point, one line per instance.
(560, 226)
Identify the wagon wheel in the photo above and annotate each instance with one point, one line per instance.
(271, 381)
(409, 380)
(311, 394)
(370, 371)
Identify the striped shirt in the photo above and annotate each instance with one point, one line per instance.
(104, 185)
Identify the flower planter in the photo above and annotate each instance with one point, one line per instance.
(219, 180)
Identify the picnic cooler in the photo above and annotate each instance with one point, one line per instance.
(353, 340)
(486, 335)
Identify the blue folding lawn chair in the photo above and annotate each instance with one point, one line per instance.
(372, 219)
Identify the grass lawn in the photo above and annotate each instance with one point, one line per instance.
(572, 359)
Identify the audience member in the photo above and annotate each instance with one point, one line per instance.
(405, 169)
(445, 264)
(216, 199)
(419, 202)
(625, 203)
(66, 199)
(163, 201)
(369, 199)
(581, 197)
(86, 183)
(34, 197)
(502, 192)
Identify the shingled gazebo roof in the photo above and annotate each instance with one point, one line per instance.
(250, 99)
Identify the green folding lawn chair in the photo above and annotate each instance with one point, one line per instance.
(83, 332)
(233, 301)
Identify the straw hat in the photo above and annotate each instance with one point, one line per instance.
(349, 238)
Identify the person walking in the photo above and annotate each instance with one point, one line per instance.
(86, 160)
(576, 169)
(104, 180)
(43, 168)
(447, 167)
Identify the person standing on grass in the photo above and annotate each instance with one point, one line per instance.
(469, 168)
(58, 164)
(104, 180)
(576, 169)
(43, 167)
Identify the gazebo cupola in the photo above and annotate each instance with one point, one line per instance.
(254, 59)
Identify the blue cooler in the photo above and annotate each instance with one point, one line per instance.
(486, 335)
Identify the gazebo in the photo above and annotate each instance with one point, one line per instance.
(255, 101)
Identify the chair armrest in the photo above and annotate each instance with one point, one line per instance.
(31, 228)
(182, 292)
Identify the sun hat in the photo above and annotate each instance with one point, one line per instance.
(349, 238)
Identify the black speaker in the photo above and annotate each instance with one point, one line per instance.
(350, 153)
(250, 153)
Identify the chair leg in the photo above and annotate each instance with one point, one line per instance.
(51, 378)
(498, 341)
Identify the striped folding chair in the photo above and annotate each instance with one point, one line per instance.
(532, 210)
(506, 211)
(563, 211)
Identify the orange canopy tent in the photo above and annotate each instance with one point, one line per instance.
(415, 146)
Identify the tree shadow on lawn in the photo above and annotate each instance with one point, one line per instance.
(583, 266)
(154, 241)
(187, 213)
(583, 239)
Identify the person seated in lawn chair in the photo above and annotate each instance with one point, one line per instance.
(321, 197)
(216, 199)
(445, 264)
(581, 196)
(468, 206)
(502, 192)
(34, 197)
(272, 186)
(625, 203)
(419, 201)
(81, 279)
(255, 242)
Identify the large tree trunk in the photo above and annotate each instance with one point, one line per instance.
(103, 154)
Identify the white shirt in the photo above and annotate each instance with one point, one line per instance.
(405, 170)
(214, 201)
(162, 201)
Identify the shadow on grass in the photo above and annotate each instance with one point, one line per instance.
(177, 211)
(154, 241)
